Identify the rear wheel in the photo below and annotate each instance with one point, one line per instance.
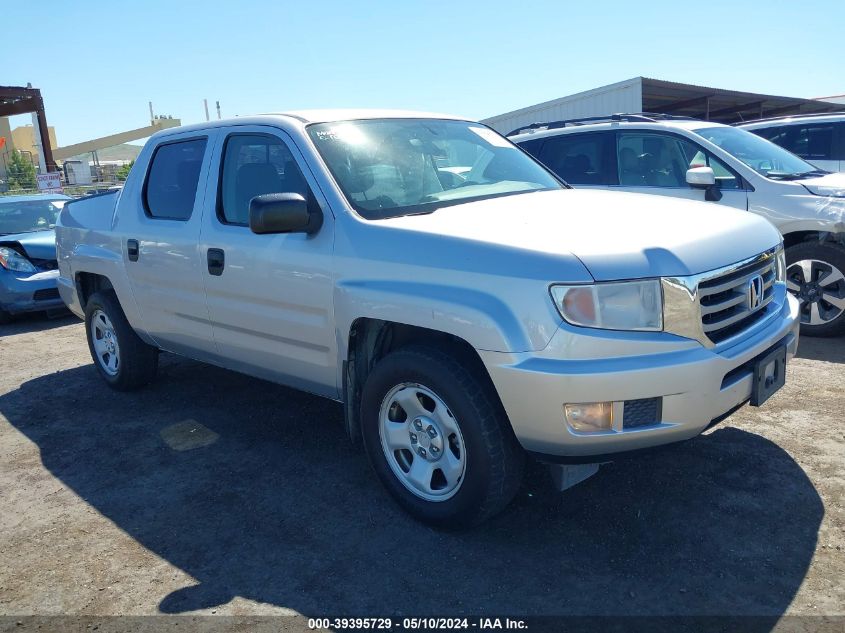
(123, 360)
(815, 274)
(438, 438)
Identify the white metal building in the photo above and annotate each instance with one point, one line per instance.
(642, 94)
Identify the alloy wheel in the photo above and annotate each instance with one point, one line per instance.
(820, 287)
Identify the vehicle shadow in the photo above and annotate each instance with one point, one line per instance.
(37, 322)
(274, 504)
(831, 350)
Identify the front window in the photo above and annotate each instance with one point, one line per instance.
(763, 156)
(392, 167)
(28, 216)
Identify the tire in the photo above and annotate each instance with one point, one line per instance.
(822, 296)
(5, 317)
(121, 358)
(474, 460)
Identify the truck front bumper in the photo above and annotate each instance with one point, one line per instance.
(695, 386)
(29, 292)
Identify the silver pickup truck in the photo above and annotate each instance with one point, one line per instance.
(466, 306)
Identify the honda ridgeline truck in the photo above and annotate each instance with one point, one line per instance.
(466, 306)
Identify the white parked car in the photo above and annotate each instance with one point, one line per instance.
(723, 165)
(466, 306)
(817, 138)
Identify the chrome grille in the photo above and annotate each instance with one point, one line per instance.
(727, 301)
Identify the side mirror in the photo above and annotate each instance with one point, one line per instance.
(701, 177)
(282, 213)
(704, 178)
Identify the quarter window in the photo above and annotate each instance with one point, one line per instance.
(726, 178)
(171, 186)
(255, 164)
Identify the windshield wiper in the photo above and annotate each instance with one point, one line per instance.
(795, 175)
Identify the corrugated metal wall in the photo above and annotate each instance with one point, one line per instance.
(625, 96)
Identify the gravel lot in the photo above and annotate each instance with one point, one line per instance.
(211, 492)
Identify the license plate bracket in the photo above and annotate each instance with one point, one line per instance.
(769, 375)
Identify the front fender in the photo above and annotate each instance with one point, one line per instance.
(479, 318)
(804, 212)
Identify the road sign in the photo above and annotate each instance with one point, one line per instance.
(51, 182)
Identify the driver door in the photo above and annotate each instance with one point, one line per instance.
(269, 296)
(657, 163)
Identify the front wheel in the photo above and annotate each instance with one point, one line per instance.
(815, 274)
(121, 358)
(438, 438)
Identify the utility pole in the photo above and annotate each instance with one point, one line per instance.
(38, 141)
(218, 110)
(152, 118)
(205, 105)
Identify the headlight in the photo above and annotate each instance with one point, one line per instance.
(12, 260)
(625, 305)
(780, 264)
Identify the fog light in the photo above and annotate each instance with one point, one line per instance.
(589, 417)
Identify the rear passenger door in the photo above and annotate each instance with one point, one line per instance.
(159, 221)
(583, 160)
(657, 163)
(269, 296)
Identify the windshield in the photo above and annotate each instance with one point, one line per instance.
(392, 167)
(29, 215)
(763, 156)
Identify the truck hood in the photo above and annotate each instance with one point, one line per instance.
(615, 235)
(36, 245)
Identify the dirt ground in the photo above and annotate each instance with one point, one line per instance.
(210, 492)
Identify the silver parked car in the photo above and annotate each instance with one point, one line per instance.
(466, 306)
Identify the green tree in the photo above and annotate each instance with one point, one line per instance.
(123, 172)
(21, 172)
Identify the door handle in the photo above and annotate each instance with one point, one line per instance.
(216, 261)
(132, 250)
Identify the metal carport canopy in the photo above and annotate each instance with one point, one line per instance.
(724, 106)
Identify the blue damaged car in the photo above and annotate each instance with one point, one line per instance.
(28, 270)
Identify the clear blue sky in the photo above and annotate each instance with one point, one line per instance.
(100, 63)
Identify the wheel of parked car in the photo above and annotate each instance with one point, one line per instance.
(815, 273)
(438, 438)
(123, 360)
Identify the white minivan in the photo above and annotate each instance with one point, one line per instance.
(817, 138)
(700, 160)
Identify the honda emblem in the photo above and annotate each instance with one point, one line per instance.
(755, 292)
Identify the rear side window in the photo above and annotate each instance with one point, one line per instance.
(171, 186)
(253, 165)
(807, 141)
(581, 159)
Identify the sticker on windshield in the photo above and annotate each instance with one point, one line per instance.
(491, 137)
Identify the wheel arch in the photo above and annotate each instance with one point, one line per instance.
(798, 237)
(369, 340)
(89, 283)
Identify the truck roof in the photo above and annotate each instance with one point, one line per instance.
(306, 117)
(347, 114)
